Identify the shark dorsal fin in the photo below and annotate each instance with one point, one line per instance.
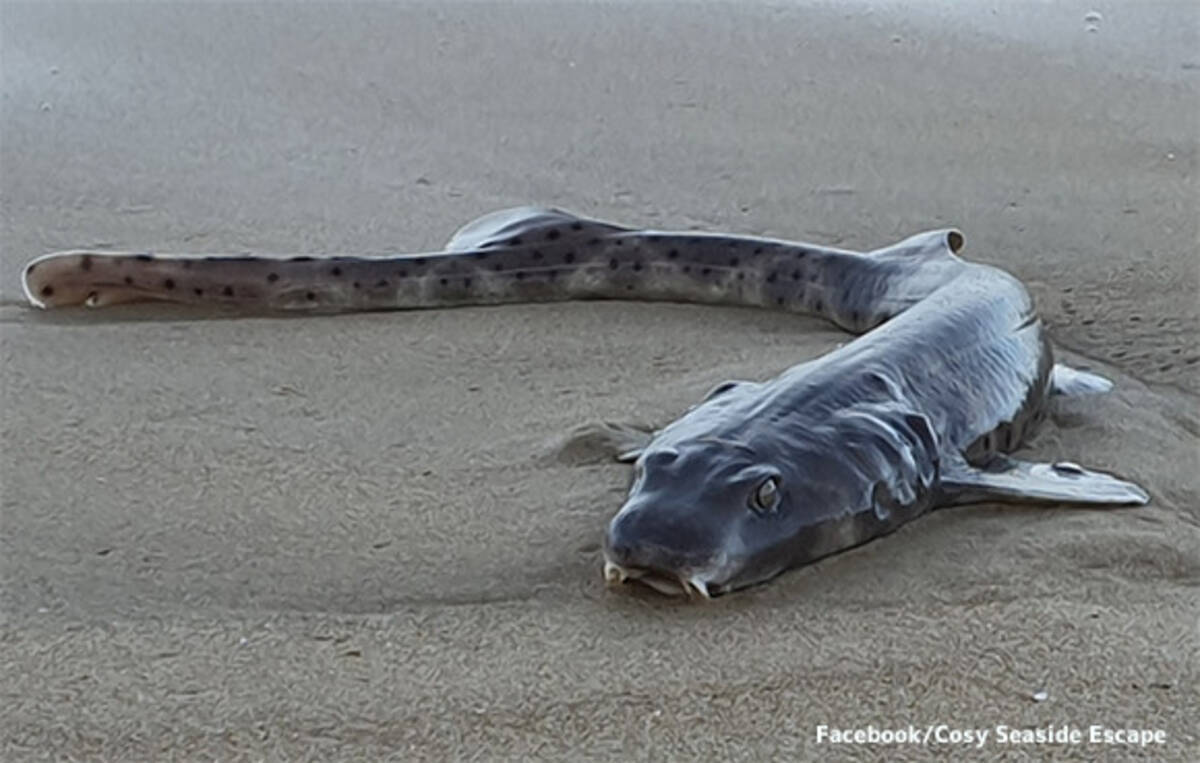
(934, 242)
(521, 225)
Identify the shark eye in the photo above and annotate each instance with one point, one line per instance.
(766, 496)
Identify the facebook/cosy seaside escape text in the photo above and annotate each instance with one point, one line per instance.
(999, 734)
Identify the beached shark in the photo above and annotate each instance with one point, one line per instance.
(952, 371)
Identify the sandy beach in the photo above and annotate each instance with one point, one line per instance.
(359, 537)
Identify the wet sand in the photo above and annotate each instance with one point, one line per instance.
(246, 538)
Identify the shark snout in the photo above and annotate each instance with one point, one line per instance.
(643, 538)
(666, 550)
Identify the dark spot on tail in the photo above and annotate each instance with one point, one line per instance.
(444, 281)
(310, 296)
(169, 284)
(85, 262)
(673, 254)
(758, 250)
(335, 271)
(593, 241)
(47, 290)
(198, 291)
(741, 276)
(520, 275)
(381, 283)
(796, 275)
(480, 255)
(227, 291)
(576, 226)
(272, 277)
(515, 241)
(637, 266)
(466, 283)
(142, 257)
(733, 262)
(569, 257)
(420, 262)
(357, 285)
(301, 259)
(537, 255)
(779, 300)
(128, 280)
(612, 264)
(706, 271)
(771, 277)
(552, 235)
(402, 273)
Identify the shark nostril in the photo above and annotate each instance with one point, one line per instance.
(619, 541)
(620, 553)
(635, 538)
(647, 538)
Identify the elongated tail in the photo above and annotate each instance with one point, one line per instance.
(521, 255)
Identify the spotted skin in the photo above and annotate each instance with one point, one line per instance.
(538, 255)
(952, 372)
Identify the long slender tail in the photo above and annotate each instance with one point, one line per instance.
(524, 255)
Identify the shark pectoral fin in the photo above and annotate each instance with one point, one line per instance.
(1072, 382)
(525, 225)
(596, 441)
(1007, 479)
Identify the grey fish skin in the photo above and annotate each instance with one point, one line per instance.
(916, 414)
(514, 256)
(954, 370)
(858, 441)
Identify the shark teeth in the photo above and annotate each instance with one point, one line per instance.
(614, 574)
(697, 584)
(691, 586)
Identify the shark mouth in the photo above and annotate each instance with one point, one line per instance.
(692, 586)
